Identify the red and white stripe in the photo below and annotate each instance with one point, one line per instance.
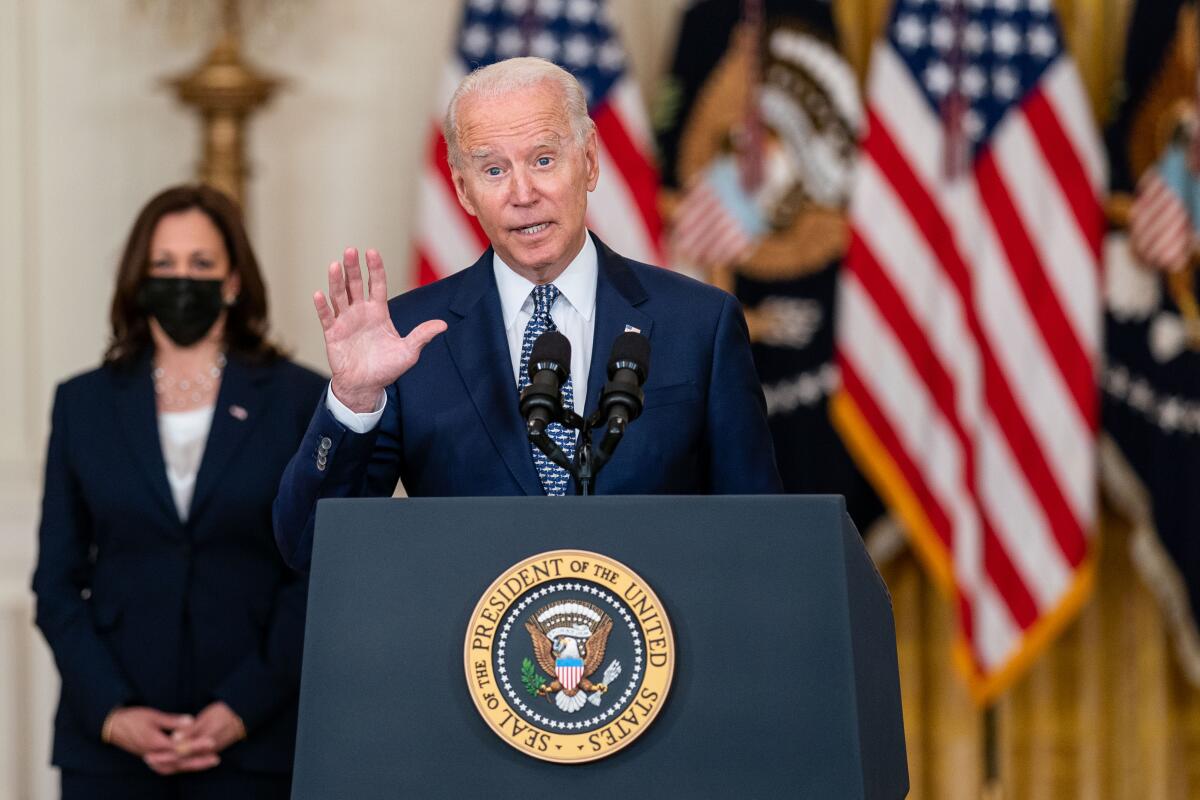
(568, 676)
(622, 211)
(704, 233)
(1160, 232)
(969, 333)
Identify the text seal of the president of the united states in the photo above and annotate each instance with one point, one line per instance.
(569, 656)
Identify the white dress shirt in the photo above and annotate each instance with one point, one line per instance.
(574, 314)
(183, 435)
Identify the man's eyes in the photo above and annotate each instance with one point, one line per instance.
(496, 172)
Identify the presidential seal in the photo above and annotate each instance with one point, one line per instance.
(569, 656)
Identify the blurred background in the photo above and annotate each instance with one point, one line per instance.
(1054, 656)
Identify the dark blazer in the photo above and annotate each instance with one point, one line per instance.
(142, 609)
(452, 426)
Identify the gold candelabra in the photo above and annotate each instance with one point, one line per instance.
(225, 91)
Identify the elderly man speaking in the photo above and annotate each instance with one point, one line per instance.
(438, 408)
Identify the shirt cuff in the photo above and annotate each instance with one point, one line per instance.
(354, 421)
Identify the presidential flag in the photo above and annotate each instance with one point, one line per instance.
(578, 36)
(1150, 451)
(758, 125)
(969, 316)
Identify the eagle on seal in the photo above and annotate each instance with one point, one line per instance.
(569, 637)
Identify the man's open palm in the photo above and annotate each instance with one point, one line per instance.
(365, 351)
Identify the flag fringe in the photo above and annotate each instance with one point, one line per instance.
(1157, 571)
(881, 470)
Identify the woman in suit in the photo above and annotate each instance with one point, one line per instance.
(174, 623)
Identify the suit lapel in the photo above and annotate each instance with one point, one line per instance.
(238, 411)
(618, 291)
(138, 417)
(479, 348)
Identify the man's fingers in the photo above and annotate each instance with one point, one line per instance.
(377, 276)
(337, 288)
(354, 281)
(421, 335)
(324, 312)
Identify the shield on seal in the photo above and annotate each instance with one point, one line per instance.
(568, 671)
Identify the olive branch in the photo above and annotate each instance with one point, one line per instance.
(532, 679)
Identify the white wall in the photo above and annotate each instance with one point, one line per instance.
(88, 133)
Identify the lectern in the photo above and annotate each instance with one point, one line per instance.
(784, 682)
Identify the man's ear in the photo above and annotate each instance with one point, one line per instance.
(460, 188)
(591, 154)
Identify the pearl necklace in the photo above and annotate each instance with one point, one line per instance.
(176, 392)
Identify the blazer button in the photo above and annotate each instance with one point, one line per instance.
(326, 443)
(321, 462)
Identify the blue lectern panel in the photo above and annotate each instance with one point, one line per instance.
(785, 681)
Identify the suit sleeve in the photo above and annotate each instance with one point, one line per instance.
(92, 683)
(333, 461)
(741, 452)
(269, 677)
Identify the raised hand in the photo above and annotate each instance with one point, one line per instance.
(365, 351)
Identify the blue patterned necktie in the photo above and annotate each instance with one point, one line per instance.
(554, 478)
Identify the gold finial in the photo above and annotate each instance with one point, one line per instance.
(225, 90)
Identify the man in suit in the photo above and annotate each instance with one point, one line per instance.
(438, 408)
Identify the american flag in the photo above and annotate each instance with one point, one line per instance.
(970, 319)
(578, 36)
(717, 223)
(1161, 231)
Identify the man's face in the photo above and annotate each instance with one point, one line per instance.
(523, 176)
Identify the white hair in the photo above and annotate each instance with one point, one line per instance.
(503, 77)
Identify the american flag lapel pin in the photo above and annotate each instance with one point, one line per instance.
(631, 329)
(238, 413)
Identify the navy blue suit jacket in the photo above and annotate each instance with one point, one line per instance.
(452, 426)
(140, 608)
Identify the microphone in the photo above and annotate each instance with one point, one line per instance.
(622, 399)
(549, 366)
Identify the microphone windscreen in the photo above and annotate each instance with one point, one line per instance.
(628, 348)
(551, 346)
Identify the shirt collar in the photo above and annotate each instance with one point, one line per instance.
(577, 283)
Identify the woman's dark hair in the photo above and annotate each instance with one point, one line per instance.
(245, 321)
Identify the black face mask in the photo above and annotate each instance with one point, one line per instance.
(186, 308)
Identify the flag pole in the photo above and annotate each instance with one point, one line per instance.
(993, 786)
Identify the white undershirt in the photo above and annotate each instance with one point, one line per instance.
(572, 312)
(183, 435)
